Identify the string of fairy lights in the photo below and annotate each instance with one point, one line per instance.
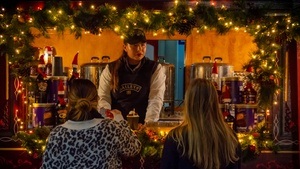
(269, 30)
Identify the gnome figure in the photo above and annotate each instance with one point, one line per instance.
(214, 75)
(75, 74)
(226, 97)
(75, 66)
(61, 112)
(61, 93)
(41, 67)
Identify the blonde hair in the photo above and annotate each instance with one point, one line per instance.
(82, 98)
(210, 142)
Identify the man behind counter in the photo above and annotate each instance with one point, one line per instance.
(133, 82)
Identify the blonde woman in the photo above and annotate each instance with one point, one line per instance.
(203, 140)
(85, 141)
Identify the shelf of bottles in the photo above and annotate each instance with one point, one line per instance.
(238, 101)
(47, 97)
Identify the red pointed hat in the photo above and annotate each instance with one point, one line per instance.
(60, 88)
(75, 61)
(48, 50)
(226, 97)
(215, 68)
(42, 61)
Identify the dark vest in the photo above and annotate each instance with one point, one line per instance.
(133, 89)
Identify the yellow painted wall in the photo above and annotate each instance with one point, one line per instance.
(234, 47)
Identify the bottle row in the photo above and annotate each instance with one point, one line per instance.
(242, 117)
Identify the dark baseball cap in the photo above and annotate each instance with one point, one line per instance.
(135, 36)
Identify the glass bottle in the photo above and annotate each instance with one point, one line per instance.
(249, 94)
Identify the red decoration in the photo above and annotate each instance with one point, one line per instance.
(109, 114)
(215, 68)
(41, 66)
(75, 61)
(49, 50)
(249, 69)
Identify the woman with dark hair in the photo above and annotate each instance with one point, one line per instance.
(87, 142)
(203, 140)
(133, 82)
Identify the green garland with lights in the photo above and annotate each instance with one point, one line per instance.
(252, 143)
(270, 31)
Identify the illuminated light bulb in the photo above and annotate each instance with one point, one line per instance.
(155, 34)
(116, 29)
(258, 26)
(80, 4)
(29, 152)
(122, 37)
(205, 27)
(275, 102)
(92, 7)
(170, 14)
(268, 112)
(21, 127)
(114, 8)
(72, 27)
(1, 36)
(60, 11)
(30, 131)
(3, 9)
(190, 9)
(18, 119)
(176, 2)
(43, 148)
(49, 11)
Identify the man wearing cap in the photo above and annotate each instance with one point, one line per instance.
(133, 82)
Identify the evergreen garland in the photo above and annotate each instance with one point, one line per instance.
(269, 31)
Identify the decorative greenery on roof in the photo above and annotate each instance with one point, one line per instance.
(270, 30)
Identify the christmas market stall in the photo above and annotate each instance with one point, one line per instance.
(248, 50)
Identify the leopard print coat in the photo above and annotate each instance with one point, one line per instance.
(98, 147)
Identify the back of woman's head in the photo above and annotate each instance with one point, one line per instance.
(203, 121)
(82, 98)
(201, 101)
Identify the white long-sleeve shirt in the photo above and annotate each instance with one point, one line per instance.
(156, 95)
